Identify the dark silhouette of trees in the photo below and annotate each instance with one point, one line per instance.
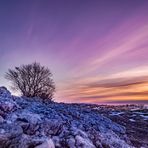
(32, 80)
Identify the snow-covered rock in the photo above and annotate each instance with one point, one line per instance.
(6, 102)
(4, 92)
(28, 122)
(47, 144)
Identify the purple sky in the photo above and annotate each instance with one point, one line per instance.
(97, 50)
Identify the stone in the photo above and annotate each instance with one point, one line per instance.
(47, 144)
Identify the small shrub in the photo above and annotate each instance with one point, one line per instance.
(32, 80)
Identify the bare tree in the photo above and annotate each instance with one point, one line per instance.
(32, 80)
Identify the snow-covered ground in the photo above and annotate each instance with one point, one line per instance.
(133, 117)
(30, 123)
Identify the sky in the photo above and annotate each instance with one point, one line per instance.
(97, 50)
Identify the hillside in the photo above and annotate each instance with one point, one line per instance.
(30, 123)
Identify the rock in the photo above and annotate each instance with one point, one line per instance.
(52, 127)
(27, 120)
(83, 142)
(10, 134)
(10, 130)
(7, 106)
(4, 92)
(56, 141)
(6, 102)
(71, 142)
(27, 141)
(1, 119)
(47, 144)
(113, 141)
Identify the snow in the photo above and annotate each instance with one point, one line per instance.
(132, 120)
(144, 116)
(116, 113)
(140, 113)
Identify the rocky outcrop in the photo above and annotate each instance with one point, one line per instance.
(30, 123)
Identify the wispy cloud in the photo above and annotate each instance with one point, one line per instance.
(97, 51)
